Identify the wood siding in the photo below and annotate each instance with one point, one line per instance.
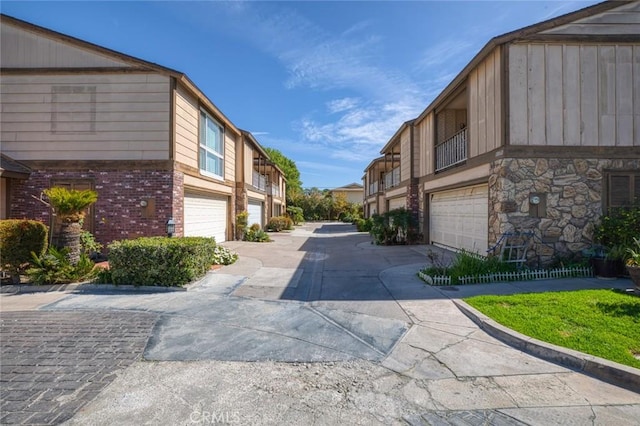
(85, 117)
(425, 131)
(485, 105)
(25, 49)
(187, 140)
(620, 20)
(405, 154)
(574, 95)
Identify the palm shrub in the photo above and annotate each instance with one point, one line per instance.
(70, 206)
(54, 267)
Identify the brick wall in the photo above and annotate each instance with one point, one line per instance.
(118, 213)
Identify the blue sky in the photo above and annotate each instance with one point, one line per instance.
(327, 83)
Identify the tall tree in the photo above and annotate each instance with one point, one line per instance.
(290, 170)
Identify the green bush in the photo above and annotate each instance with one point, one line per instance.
(618, 228)
(54, 267)
(364, 225)
(256, 235)
(160, 261)
(296, 214)
(18, 239)
(394, 227)
(88, 243)
(279, 223)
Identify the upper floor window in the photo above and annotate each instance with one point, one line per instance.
(211, 146)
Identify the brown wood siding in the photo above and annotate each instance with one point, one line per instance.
(25, 49)
(85, 117)
(187, 116)
(485, 108)
(425, 130)
(405, 154)
(574, 95)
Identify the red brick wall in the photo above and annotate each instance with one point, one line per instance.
(117, 213)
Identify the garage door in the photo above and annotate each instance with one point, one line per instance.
(397, 203)
(205, 216)
(459, 218)
(255, 212)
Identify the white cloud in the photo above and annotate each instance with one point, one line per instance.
(444, 53)
(340, 105)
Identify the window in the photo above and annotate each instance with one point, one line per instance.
(211, 147)
(623, 189)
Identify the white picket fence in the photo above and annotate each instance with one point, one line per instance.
(525, 275)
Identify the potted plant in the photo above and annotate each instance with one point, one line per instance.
(633, 263)
(608, 263)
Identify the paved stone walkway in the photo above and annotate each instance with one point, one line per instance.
(53, 363)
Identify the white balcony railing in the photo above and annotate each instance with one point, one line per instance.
(392, 178)
(452, 151)
(259, 181)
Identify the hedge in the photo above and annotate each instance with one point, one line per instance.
(160, 261)
(18, 238)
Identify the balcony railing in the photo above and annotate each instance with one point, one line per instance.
(452, 151)
(392, 178)
(259, 181)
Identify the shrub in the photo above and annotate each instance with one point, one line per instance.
(160, 261)
(223, 256)
(364, 225)
(18, 239)
(468, 264)
(296, 214)
(279, 223)
(618, 228)
(89, 245)
(70, 204)
(54, 267)
(242, 221)
(394, 227)
(256, 235)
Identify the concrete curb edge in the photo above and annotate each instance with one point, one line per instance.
(602, 369)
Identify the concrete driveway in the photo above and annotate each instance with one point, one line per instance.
(322, 327)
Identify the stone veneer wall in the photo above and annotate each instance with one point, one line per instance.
(117, 213)
(573, 189)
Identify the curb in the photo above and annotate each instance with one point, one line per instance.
(602, 369)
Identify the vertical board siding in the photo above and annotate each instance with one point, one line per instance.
(86, 117)
(405, 155)
(484, 118)
(230, 155)
(248, 163)
(425, 130)
(570, 95)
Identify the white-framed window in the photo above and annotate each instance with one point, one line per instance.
(211, 152)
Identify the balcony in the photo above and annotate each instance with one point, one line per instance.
(452, 151)
(373, 188)
(259, 181)
(392, 178)
(274, 190)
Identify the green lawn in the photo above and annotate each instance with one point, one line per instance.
(603, 323)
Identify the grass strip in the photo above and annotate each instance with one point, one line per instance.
(604, 323)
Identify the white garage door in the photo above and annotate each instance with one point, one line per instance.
(397, 203)
(255, 212)
(205, 216)
(459, 218)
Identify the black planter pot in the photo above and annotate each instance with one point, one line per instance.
(607, 268)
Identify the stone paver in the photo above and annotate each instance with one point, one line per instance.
(53, 363)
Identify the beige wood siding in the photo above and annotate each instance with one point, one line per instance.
(25, 49)
(405, 154)
(574, 95)
(485, 105)
(248, 163)
(187, 112)
(85, 117)
(620, 20)
(425, 131)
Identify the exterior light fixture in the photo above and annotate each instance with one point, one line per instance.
(171, 227)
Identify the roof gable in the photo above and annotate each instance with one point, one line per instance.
(621, 20)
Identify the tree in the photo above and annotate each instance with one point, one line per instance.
(70, 206)
(290, 170)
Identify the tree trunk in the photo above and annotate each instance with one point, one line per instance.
(70, 239)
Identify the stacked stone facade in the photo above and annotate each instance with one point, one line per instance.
(572, 191)
(131, 203)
